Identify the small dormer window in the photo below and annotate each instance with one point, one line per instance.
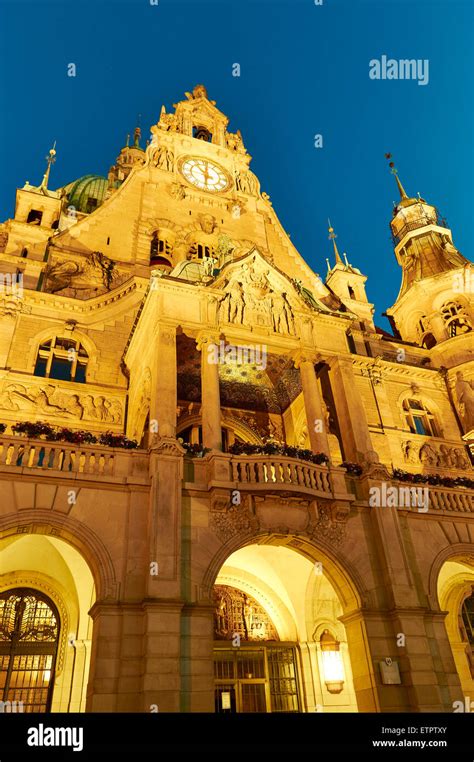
(201, 133)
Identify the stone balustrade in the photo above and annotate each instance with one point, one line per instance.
(72, 460)
(269, 473)
(450, 499)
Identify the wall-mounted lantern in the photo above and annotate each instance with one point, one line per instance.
(333, 667)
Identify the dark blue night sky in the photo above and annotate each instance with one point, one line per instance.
(304, 70)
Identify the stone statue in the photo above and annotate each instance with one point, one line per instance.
(465, 395)
(245, 182)
(207, 223)
(446, 456)
(410, 452)
(428, 455)
(306, 294)
(221, 616)
(162, 157)
(248, 616)
(92, 270)
(280, 313)
(235, 142)
(177, 191)
(208, 265)
(236, 302)
(460, 459)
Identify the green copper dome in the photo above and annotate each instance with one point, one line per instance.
(88, 193)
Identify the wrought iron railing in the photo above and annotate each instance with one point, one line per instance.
(421, 222)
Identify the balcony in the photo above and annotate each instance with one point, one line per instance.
(458, 499)
(268, 474)
(419, 223)
(61, 459)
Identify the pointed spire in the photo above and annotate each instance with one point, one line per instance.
(332, 237)
(127, 142)
(50, 158)
(394, 171)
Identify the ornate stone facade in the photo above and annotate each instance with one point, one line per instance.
(270, 414)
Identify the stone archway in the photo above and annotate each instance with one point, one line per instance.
(291, 601)
(455, 586)
(348, 627)
(76, 534)
(53, 568)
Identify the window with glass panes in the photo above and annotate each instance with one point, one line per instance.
(29, 635)
(419, 419)
(256, 679)
(467, 611)
(63, 359)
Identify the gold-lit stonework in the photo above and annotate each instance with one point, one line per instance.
(232, 491)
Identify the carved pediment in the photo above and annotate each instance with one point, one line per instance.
(256, 294)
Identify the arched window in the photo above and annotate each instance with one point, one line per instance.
(419, 419)
(29, 635)
(351, 292)
(64, 359)
(161, 250)
(455, 318)
(467, 615)
(201, 133)
(200, 250)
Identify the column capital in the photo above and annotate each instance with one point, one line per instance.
(205, 338)
(306, 354)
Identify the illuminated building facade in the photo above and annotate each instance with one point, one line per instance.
(293, 531)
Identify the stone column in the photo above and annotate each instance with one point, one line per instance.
(117, 640)
(207, 344)
(197, 662)
(82, 659)
(161, 667)
(313, 402)
(164, 382)
(350, 411)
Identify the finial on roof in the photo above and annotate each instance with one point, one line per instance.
(136, 137)
(332, 237)
(50, 158)
(394, 171)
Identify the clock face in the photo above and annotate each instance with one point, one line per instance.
(204, 174)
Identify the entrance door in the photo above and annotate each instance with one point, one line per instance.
(256, 678)
(29, 634)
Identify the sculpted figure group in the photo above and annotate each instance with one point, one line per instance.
(250, 298)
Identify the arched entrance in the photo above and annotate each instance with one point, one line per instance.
(29, 638)
(46, 592)
(456, 596)
(279, 644)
